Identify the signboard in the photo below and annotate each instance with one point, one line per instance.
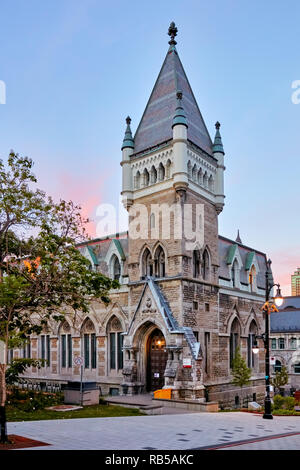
(187, 363)
(78, 361)
(156, 375)
(2, 352)
(272, 361)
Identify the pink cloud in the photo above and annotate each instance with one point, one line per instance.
(283, 265)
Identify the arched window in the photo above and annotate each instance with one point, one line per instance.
(297, 368)
(160, 262)
(234, 274)
(205, 180)
(252, 279)
(161, 172)
(250, 344)
(200, 176)
(196, 263)
(152, 220)
(189, 168)
(211, 183)
(115, 344)
(277, 366)
(153, 175)
(146, 177)
(137, 180)
(147, 263)
(205, 265)
(116, 268)
(65, 340)
(194, 173)
(234, 339)
(89, 346)
(168, 169)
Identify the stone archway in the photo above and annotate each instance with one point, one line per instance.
(157, 357)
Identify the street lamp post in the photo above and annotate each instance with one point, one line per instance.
(267, 309)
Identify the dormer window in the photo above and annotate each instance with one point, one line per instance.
(116, 268)
(252, 279)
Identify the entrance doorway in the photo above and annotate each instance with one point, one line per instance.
(156, 360)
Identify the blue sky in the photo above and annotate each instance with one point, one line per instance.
(74, 69)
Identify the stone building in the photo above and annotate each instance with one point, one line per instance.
(285, 339)
(188, 297)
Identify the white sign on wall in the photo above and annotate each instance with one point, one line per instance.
(272, 361)
(187, 362)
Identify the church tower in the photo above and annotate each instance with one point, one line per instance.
(173, 190)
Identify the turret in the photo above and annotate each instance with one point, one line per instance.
(127, 150)
(219, 153)
(180, 127)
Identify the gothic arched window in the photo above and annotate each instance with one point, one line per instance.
(116, 268)
(278, 366)
(168, 169)
(194, 173)
(89, 346)
(250, 344)
(115, 344)
(161, 172)
(205, 265)
(137, 180)
(200, 176)
(160, 269)
(234, 339)
(153, 175)
(147, 263)
(146, 177)
(196, 263)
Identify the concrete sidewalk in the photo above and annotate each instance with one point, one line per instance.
(165, 432)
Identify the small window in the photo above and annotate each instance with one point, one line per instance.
(281, 343)
(273, 343)
(278, 366)
(206, 305)
(297, 368)
(293, 343)
(195, 305)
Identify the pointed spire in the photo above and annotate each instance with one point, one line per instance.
(128, 141)
(238, 238)
(179, 116)
(218, 145)
(172, 32)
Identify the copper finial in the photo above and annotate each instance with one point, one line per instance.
(172, 32)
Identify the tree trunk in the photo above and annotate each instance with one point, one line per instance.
(3, 426)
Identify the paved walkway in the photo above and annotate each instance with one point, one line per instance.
(169, 432)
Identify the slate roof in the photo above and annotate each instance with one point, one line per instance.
(227, 250)
(290, 302)
(156, 124)
(285, 321)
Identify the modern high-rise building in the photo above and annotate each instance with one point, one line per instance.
(296, 282)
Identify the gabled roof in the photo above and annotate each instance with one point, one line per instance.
(156, 124)
(285, 321)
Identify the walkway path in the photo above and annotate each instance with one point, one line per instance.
(185, 431)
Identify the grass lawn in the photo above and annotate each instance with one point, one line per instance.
(95, 411)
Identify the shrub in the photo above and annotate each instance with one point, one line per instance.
(289, 403)
(278, 402)
(31, 401)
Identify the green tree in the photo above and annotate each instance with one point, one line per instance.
(44, 276)
(240, 372)
(280, 379)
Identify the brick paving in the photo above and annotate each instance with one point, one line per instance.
(165, 432)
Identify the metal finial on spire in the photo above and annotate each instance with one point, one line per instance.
(238, 238)
(172, 32)
(218, 125)
(128, 120)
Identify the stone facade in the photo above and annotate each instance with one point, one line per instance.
(202, 294)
